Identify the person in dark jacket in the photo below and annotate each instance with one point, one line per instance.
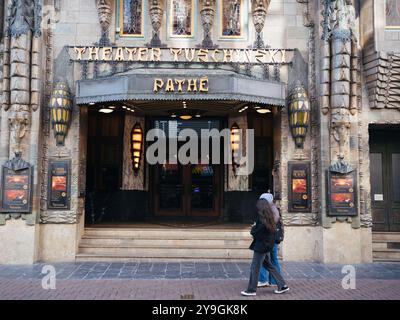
(263, 233)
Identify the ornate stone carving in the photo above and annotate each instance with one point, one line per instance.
(341, 166)
(19, 124)
(104, 11)
(207, 14)
(382, 73)
(2, 10)
(260, 9)
(156, 16)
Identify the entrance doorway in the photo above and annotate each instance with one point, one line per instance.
(385, 179)
(191, 190)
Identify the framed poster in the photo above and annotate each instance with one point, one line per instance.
(59, 185)
(342, 196)
(16, 187)
(299, 186)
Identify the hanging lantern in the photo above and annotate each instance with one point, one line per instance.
(235, 140)
(136, 147)
(299, 114)
(61, 110)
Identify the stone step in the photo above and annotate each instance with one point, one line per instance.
(168, 252)
(379, 245)
(168, 233)
(157, 242)
(386, 255)
(121, 258)
(385, 236)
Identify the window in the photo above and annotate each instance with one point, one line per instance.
(131, 18)
(393, 14)
(181, 18)
(231, 18)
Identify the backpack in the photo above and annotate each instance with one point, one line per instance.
(279, 233)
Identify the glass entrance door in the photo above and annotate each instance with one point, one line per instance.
(189, 190)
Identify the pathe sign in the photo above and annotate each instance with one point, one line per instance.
(194, 85)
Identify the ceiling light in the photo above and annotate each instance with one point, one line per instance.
(198, 115)
(111, 107)
(123, 107)
(91, 104)
(186, 117)
(105, 110)
(173, 115)
(263, 110)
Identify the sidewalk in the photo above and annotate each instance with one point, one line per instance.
(190, 280)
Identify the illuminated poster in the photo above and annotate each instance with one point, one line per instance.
(16, 190)
(182, 18)
(342, 194)
(299, 184)
(59, 185)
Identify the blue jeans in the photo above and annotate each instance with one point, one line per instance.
(264, 275)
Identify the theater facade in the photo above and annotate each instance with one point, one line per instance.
(310, 88)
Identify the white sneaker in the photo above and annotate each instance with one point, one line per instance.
(263, 284)
(282, 290)
(247, 294)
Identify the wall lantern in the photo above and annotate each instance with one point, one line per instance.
(263, 110)
(299, 114)
(235, 140)
(136, 147)
(61, 109)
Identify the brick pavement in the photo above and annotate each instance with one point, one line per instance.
(200, 281)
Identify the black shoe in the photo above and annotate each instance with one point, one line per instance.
(282, 290)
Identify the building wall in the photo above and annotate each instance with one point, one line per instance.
(54, 235)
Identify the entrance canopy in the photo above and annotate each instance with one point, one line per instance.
(180, 85)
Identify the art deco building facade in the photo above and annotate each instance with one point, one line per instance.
(83, 82)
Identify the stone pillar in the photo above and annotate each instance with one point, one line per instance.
(21, 121)
(342, 239)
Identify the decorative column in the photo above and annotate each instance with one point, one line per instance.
(207, 14)
(21, 69)
(156, 16)
(104, 11)
(260, 9)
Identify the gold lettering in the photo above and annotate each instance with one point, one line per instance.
(272, 53)
(283, 58)
(158, 84)
(142, 54)
(93, 53)
(79, 52)
(180, 83)
(107, 54)
(247, 54)
(213, 56)
(237, 56)
(131, 53)
(203, 55)
(175, 53)
(260, 55)
(155, 54)
(170, 86)
(192, 85)
(190, 57)
(119, 56)
(204, 84)
(228, 55)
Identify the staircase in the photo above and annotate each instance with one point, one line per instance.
(386, 246)
(165, 244)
